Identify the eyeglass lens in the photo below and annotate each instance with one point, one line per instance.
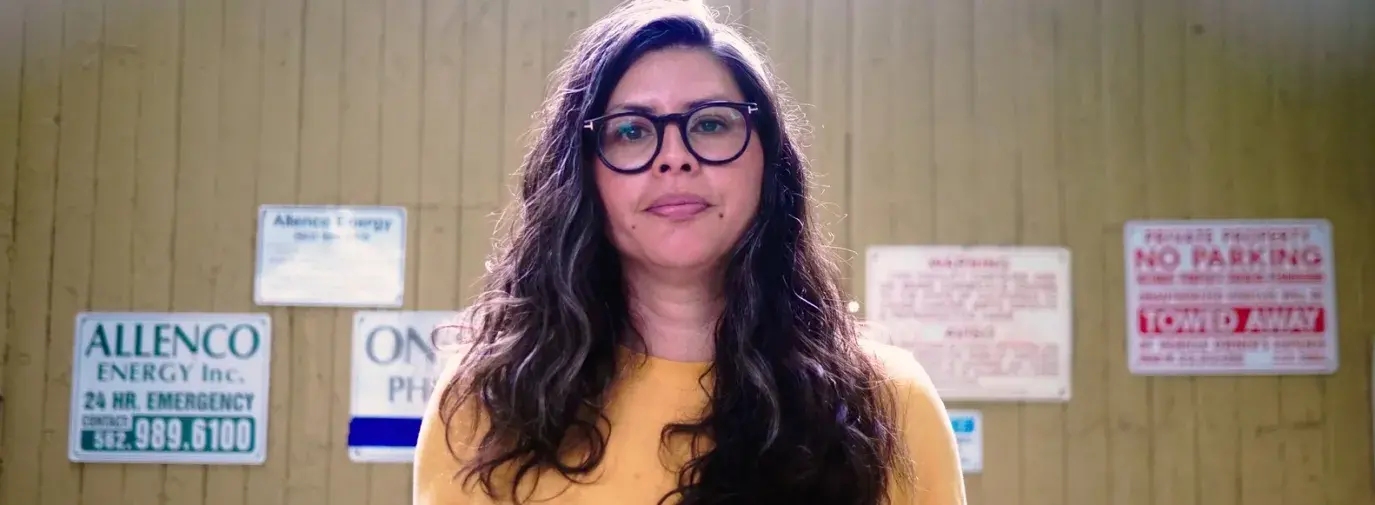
(715, 134)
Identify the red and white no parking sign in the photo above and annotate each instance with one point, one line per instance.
(1230, 297)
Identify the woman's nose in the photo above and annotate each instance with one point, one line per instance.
(674, 154)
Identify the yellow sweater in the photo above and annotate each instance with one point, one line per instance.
(660, 392)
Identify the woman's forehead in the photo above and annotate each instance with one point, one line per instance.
(671, 80)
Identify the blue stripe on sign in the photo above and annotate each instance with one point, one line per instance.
(383, 431)
(963, 425)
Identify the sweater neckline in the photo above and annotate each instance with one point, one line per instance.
(651, 362)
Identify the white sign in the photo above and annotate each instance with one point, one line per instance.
(1230, 297)
(178, 388)
(343, 256)
(969, 436)
(988, 323)
(395, 365)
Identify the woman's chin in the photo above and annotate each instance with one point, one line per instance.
(683, 258)
(681, 262)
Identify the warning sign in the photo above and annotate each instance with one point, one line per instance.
(988, 323)
(1230, 297)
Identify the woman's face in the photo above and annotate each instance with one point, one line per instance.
(680, 213)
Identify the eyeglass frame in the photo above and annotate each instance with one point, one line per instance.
(680, 119)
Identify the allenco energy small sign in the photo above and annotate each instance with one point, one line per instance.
(178, 388)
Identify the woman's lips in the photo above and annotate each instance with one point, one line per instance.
(678, 206)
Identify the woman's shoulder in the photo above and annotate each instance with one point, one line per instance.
(453, 342)
(453, 350)
(916, 394)
(448, 431)
(895, 363)
(924, 423)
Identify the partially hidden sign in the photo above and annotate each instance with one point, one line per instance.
(968, 426)
(395, 365)
(1230, 297)
(987, 323)
(172, 388)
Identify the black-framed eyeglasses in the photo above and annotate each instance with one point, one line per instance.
(714, 132)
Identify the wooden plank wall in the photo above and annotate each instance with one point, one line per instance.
(138, 136)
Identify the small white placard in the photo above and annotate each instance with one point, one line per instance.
(395, 365)
(969, 435)
(342, 256)
(170, 388)
(988, 323)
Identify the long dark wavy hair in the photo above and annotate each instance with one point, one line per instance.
(796, 412)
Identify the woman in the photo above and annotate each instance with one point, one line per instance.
(662, 324)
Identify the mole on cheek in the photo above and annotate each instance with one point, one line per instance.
(633, 226)
(721, 215)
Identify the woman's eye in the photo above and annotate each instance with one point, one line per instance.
(710, 126)
(629, 131)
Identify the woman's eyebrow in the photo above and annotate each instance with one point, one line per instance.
(647, 109)
(630, 107)
(710, 98)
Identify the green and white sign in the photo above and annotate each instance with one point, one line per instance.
(171, 388)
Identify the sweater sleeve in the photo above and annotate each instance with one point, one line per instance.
(435, 468)
(926, 433)
(931, 443)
